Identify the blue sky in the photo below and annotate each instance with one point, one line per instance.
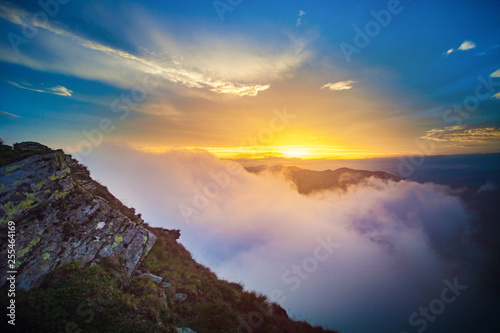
(217, 81)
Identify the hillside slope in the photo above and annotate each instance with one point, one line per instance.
(87, 263)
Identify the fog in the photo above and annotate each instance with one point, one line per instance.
(358, 261)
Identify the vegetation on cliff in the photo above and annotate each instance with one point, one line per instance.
(167, 291)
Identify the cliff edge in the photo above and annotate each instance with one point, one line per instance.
(87, 263)
(62, 215)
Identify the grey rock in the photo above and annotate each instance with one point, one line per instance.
(180, 297)
(62, 215)
(30, 145)
(164, 298)
(184, 330)
(166, 284)
(153, 277)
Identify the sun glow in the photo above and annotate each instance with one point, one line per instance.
(293, 152)
(304, 152)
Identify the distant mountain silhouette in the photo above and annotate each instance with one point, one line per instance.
(308, 181)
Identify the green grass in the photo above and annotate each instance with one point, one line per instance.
(93, 299)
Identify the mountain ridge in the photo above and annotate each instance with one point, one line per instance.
(86, 262)
(309, 181)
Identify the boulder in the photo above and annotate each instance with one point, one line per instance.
(30, 145)
(180, 297)
(153, 277)
(184, 330)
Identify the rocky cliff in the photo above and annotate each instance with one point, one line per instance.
(88, 263)
(62, 215)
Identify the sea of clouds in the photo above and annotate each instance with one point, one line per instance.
(363, 260)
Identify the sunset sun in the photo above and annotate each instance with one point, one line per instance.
(291, 152)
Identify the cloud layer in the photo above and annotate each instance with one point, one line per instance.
(464, 134)
(398, 241)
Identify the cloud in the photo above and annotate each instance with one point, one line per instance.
(57, 90)
(466, 45)
(464, 134)
(299, 20)
(251, 90)
(60, 90)
(10, 115)
(215, 63)
(495, 73)
(398, 241)
(342, 85)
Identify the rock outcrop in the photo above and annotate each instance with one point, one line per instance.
(62, 215)
(91, 264)
(30, 145)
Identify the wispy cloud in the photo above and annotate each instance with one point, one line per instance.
(496, 74)
(179, 66)
(10, 115)
(57, 90)
(342, 85)
(466, 45)
(464, 134)
(299, 19)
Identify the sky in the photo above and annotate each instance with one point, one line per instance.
(159, 98)
(253, 79)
